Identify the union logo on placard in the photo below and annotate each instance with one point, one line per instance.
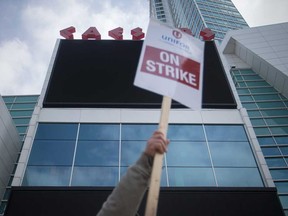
(177, 34)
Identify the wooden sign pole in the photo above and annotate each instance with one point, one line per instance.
(153, 194)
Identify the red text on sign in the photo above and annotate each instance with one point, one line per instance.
(171, 66)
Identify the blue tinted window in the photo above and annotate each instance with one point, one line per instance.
(225, 133)
(99, 132)
(56, 131)
(97, 153)
(21, 129)
(282, 187)
(191, 177)
(19, 121)
(279, 130)
(254, 113)
(240, 177)
(262, 131)
(186, 132)
(130, 151)
(47, 176)
(26, 98)
(137, 132)
(275, 162)
(284, 201)
(23, 106)
(188, 154)
(232, 154)
(8, 99)
(270, 151)
(266, 141)
(282, 140)
(52, 152)
(284, 150)
(21, 113)
(95, 176)
(279, 173)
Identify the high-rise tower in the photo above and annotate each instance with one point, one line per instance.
(218, 15)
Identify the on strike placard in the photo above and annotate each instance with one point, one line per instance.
(171, 64)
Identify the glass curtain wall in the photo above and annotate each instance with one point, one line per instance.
(99, 154)
(21, 108)
(218, 15)
(268, 112)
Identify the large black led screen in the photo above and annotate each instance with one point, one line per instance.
(89, 73)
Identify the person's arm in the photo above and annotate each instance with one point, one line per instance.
(127, 195)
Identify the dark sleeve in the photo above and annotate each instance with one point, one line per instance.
(127, 195)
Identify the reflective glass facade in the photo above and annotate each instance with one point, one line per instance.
(268, 112)
(81, 154)
(220, 16)
(21, 108)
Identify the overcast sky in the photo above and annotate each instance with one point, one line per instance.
(30, 28)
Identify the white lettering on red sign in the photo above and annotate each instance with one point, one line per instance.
(171, 66)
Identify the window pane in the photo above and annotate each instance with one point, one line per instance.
(238, 177)
(266, 141)
(282, 187)
(232, 154)
(279, 173)
(19, 121)
(190, 177)
(257, 83)
(56, 131)
(262, 131)
(246, 98)
(52, 152)
(8, 99)
(26, 98)
(21, 113)
(267, 97)
(258, 122)
(21, 129)
(225, 133)
(97, 153)
(279, 130)
(276, 162)
(188, 154)
(186, 132)
(137, 131)
(284, 150)
(23, 106)
(282, 140)
(262, 90)
(47, 176)
(269, 113)
(99, 132)
(243, 91)
(131, 150)
(284, 201)
(95, 176)
(271, 105)
(277, 121)
(249, 105)
(254, 113)
(270, 151)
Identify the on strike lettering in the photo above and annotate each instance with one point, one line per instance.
(170, 71)
(171, 66)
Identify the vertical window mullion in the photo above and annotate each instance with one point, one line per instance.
(210, 156)
(120, 151)
(74, 155)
